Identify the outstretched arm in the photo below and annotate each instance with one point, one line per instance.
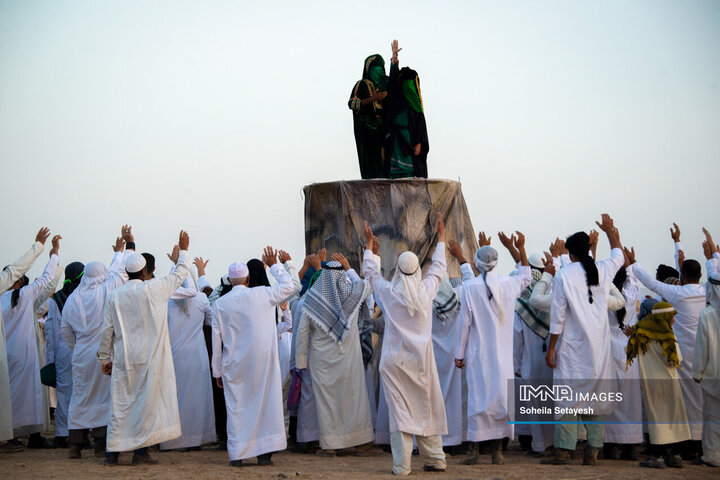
(19, 267)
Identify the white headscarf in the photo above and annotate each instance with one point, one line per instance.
(406, 284)
(713, 290)
(84, 307)
(486, 259)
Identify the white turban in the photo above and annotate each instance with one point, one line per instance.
(134, 263)
(406, 284)
(238, 270)
(486, 259)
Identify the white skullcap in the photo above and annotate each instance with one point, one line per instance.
(134, 263)
(238, 270)
(408, 263)
(536, 260)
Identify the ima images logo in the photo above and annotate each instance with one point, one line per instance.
(555, 393)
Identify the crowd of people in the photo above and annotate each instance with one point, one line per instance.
(334, 361)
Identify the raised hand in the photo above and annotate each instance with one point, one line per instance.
(681, 258)
(484, 241)
(119, 245)
(322, 253)
(440, 228)
(395, 50)
(675, 232)
(175, 254)
(283, 256)
(183, 240)
(126, 233)
(594, 236)
(708, 237)
(200, 264)
(269, 256)
(368, 236)
(548, 264)
(314, 261)
(42, 235)
(376, 246)
(456, 251)
(563, 248)
(506, 241)
(607, 225)
(555, 250)
(629, 255)
(519, 240)
(55, 245)
(340, 258)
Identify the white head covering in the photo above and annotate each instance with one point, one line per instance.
(536, 260)
(133, 264)
(486, 259)
(84, 307)
(406, 284)
(238, 270)
(713, 290)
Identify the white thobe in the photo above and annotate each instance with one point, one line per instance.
(338, 376)
(706, 368)
(135, 339)
(285, 335)
(629, 414)
(245, 356)
(192, 369)
(445, 336)
(307, 421)
(407, 367)
(8, 276)
(486, 344)
(582, 354)
(58, 352)
(28, 406)
(689, 301)
(82, 327)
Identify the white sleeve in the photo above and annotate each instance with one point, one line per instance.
(19, 267)
(216, 345)
(559, 308)
(540, 299)
(36, 288)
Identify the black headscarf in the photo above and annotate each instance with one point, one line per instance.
(73, 275)
(15, 296)
(664, 272)
(619, 281)
(258, 275)
(578, 244)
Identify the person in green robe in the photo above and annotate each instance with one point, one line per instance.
(366, 103)
(407, 145)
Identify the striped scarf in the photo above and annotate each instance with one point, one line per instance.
(535, 319)
(446, 301)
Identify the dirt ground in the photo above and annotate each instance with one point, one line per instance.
(213, 464)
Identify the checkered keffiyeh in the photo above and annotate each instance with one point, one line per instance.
(331, 301)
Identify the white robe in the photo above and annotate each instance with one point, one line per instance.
(628, 430)
(9, 276)
(28, 405)
(135, 338)
(57, 352)
(445, 336)
(407, 367)
(582, 355)
(245, 355)
(689, 301)
(192, 369)
(487, 347)
(307, 421)
(82, 327)
(338, 380)
(706, 368)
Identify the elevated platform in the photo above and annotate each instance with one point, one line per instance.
(401, 213)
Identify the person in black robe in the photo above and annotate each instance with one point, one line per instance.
(407, 143)
(366, 103)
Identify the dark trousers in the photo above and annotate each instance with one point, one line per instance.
(79, 436)
(139, 452)
(218, 394)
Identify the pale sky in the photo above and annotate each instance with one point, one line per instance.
(212, 116)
